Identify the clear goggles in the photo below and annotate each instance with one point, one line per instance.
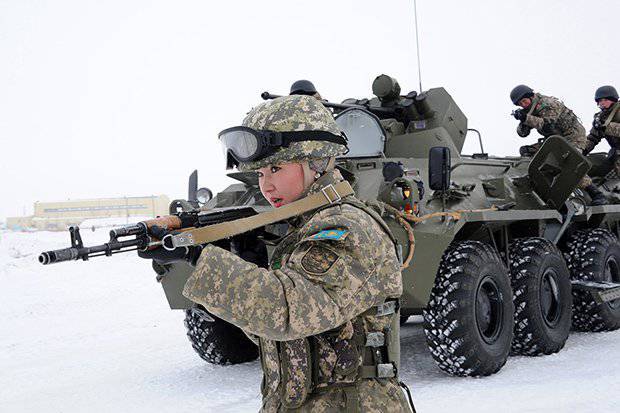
(242, 144)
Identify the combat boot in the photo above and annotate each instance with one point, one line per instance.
(597, 197)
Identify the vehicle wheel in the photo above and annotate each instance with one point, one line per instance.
(594, 255)
(542, 297)
(469, 318)
(217, 341)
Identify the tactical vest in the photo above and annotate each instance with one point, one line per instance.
(613, 115)
(365, 347)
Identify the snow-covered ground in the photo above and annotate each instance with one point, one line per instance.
(99, 336)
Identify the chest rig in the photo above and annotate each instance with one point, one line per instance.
(563, 123)
(366, 347)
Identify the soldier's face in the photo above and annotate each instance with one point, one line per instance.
(281, 184)
(525, 103)
(604, 103)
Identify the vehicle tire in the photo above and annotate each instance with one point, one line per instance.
(594, 255)
(542, 297)
(218, 341)
(469, 319)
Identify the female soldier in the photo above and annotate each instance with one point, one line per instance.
(325, 313)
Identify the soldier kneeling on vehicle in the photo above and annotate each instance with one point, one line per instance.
(606, 124)
(549, 116)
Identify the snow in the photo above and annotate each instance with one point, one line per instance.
(99, 336)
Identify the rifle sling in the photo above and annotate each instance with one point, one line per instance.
(533, 105)
(328, 195)
(612, 114)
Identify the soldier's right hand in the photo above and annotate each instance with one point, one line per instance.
(519, 115)
(598, 124)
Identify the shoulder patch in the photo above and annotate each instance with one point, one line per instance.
(329, 234)
(318, 260)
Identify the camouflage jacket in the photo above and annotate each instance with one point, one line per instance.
(313, 308)
(549, 116)
(611, 132)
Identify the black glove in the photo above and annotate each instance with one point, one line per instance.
(598, 124)
(519, 115)
(164, 256)
(528, 150)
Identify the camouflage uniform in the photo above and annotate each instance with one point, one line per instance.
(611, 133)
(549, 116)
(321, 312)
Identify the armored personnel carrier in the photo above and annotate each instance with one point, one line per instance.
(507, 254)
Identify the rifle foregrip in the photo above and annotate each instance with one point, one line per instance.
(51, 257)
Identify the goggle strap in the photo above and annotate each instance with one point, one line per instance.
(315, 135)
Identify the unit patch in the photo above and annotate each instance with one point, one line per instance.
(318, 260)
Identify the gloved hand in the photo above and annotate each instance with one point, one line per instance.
(164, 256)
(528, 150)
(519, 115)
(598, 124)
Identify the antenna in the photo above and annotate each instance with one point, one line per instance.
(417, 41)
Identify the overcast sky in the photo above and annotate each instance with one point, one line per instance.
(125, 98)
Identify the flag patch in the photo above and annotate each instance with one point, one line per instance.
(330, 234)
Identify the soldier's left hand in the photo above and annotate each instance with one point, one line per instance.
(519, 115)
(164, 256)
(598, 125)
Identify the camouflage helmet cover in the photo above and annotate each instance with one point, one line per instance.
(291, 114)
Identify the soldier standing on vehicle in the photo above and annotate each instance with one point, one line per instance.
(325, 313)
(304, 87)
(606, 123)
(549, 116)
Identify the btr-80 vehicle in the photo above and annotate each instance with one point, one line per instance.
(508, 254)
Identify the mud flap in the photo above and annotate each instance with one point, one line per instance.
(556, 170)
(602, 291)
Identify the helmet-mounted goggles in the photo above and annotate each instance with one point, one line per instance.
(242, 144)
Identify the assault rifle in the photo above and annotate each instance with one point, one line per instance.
(140, 238)
(184, 216)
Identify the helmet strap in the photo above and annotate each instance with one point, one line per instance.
(316, 168)
(309, 174)
(322, 165)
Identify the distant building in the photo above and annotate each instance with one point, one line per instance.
(58, 216)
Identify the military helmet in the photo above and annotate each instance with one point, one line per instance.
(606, 92)
(519, 92)
(303, 87)
(296, 113)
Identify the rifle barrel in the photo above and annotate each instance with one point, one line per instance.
(374, 109)
(74, 253)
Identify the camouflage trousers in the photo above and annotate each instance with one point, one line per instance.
(364, 396)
